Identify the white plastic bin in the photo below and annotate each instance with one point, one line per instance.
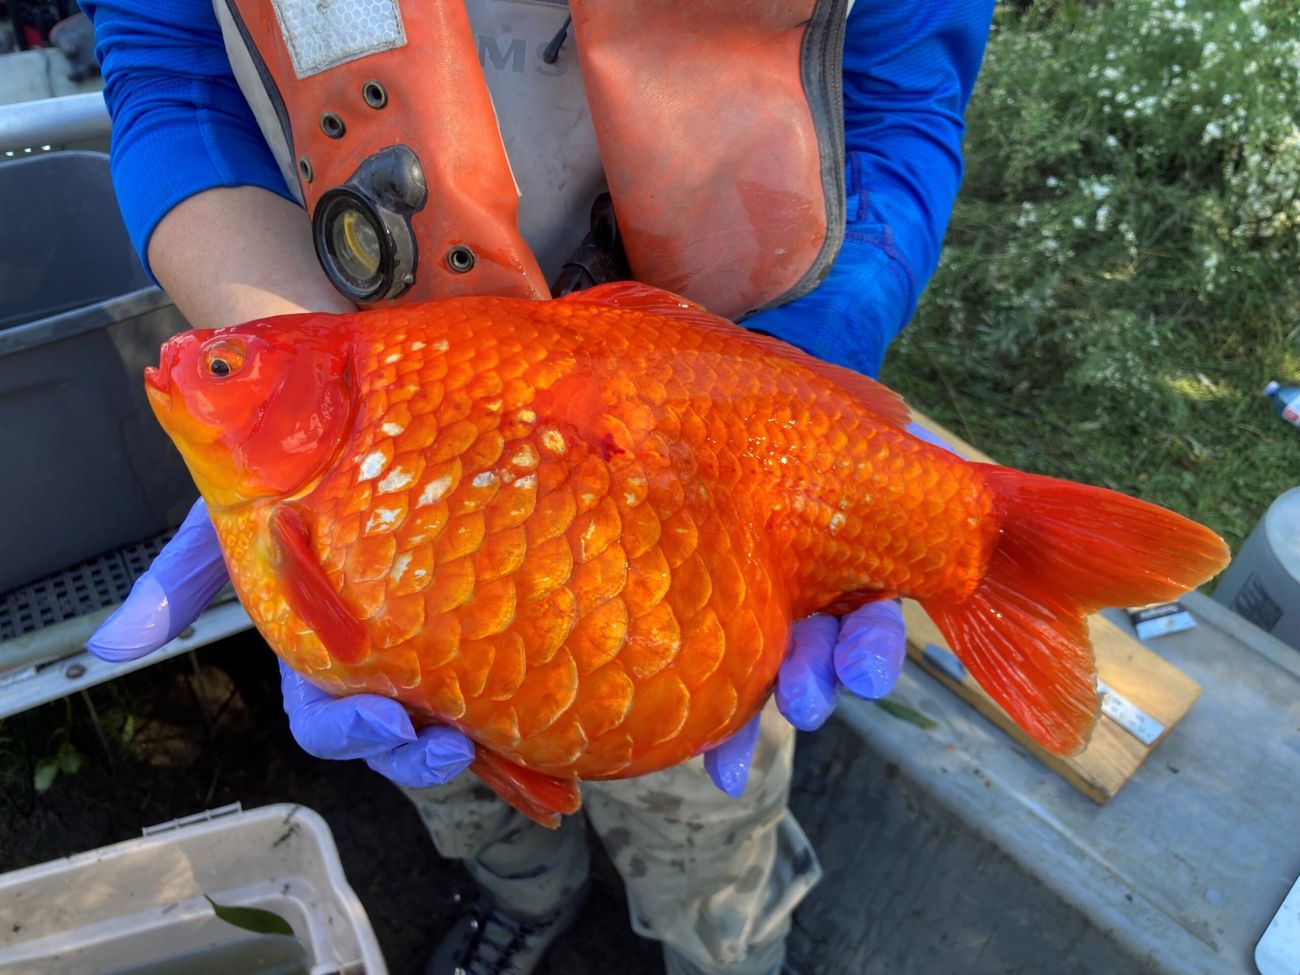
(138, 906)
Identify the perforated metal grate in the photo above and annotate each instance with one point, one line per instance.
(82, 589)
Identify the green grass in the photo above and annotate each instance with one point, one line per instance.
(1121, 276)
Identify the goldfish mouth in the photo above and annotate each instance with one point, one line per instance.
(160, 397)
(153, 384)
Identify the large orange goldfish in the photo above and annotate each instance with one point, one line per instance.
(579, 530)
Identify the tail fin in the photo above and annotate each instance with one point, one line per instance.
(1066, 550)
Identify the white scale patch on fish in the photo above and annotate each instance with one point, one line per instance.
(527, 483)
(638, 484)
(525, 457)
(393, 357)
(372, 465)
(440, 346)
(395, 481)
(486, 479)
(553, 441)
(588, 534)
(417, 346)
(382, 518)
(392, 429)
(434, 491)
(400, 565)
(836, 523)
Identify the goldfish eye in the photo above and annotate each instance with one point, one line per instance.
(223, 358)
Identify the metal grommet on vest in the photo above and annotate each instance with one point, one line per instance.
(375, 94)
(460, 259)
(332, 125)
(362, 228)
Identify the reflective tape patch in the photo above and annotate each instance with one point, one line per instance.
(322, 34)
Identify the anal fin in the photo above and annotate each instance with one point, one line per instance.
(308, 589)
(542, 798)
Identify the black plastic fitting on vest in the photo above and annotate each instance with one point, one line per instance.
(362, 228)
(460, 259)
(331, 123)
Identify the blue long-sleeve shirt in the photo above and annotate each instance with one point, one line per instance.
(181, 126)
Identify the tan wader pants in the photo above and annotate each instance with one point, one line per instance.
(715, 879)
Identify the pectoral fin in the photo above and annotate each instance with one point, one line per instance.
(308, 589)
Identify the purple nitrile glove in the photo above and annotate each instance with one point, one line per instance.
(863, 652)
(182, 580)
(375, 728)
(728, 763)
(170, 594)
(921, 433)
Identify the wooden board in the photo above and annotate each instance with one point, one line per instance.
(1145, 680)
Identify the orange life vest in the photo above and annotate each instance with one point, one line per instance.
(718, 125)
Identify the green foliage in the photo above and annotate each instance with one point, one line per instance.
(1122, 271)
(65, 759)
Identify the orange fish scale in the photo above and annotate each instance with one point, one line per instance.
(588, 556)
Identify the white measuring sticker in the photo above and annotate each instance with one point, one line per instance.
(1278, 952)
(1128, 715)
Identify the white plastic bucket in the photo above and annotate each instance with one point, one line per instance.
(1263, 583)
(139, 906)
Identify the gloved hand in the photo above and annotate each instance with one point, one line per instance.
(178, 585)
(863, 652)
(375, 728)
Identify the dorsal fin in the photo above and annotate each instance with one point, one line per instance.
(308, 590)
(634, 295)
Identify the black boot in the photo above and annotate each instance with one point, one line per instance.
(491, 942)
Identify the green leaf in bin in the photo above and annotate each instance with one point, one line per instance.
(251, 918)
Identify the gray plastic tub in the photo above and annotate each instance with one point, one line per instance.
(87, 468)
(1263, 582)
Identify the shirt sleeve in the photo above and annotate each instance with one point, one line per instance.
(908, 73)
(180, 122)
